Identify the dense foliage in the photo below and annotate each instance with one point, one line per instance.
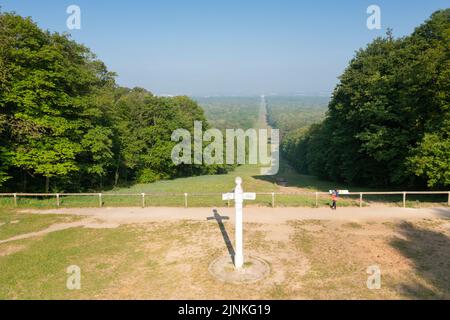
(231, 112)
(388, 122)
(66, 125)
(292, 114)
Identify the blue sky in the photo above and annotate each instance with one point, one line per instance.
(227, 47)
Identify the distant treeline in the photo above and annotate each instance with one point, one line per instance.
(388, 122)
(294, 113)
(66, 126)
(231, 112)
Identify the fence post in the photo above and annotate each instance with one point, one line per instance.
(100, 202)
(15, 199)
(185, 200)
(404, 199)
(273, 199)
(449, 199)
(143, 200)
(228, 202)
(57, 200)
(360, 200)
(317, 199)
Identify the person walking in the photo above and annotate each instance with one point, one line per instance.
(334, 198)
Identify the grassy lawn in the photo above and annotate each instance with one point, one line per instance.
(309, 259)
(13, 223)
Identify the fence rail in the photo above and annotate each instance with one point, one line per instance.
(185, 196)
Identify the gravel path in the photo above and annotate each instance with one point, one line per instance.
(251, 214)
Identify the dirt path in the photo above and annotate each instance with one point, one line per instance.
(52, 228)
(251, 214)
(271, 218)
(88, 222)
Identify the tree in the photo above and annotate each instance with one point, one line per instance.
(431, 160)
(97, 143)
(63, 119)
(4, 155)
(47, 100)
(144, 124)
(387, 123)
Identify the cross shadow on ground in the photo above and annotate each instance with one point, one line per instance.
(429, 251)
(225, 236)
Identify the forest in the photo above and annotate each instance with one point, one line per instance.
(290, 114)
(388, 121)
(230, 112)
(65, 125)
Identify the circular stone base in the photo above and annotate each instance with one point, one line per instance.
(254, 269)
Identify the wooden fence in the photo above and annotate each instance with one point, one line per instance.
(185, 196)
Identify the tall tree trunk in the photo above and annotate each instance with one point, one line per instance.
(47, 184)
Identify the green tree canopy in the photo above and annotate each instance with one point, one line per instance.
(62, 117)
(388, 120)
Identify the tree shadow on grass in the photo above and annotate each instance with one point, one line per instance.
(429, 251)
(287, 176)
(225, 236)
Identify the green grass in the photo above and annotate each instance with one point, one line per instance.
(109, 259)
(207, 183)
(13, 223)
(39, 271)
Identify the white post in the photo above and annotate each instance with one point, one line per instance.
(404, 199)
(239, 199)
(57, 200)
(143, 200)
(185, 200)
(273, 199)
(100, 201)
(15, 199)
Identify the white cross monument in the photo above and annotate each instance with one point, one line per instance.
(239, 196)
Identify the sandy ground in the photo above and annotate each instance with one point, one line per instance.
(251, 214)
(274, 219)
(312, 253)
